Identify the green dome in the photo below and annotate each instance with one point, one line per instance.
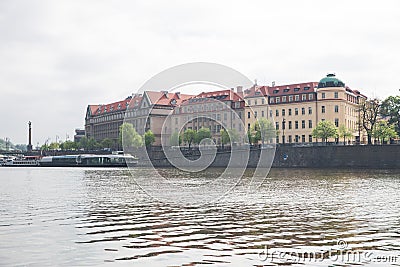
(330, 81)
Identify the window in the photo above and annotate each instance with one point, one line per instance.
(296, 89)
(296, 125)
(310, 124)
(323, 109)
(248, 115)
(286, 90)
(296, 97)
(277, 113)
(310, 96)
(310, 138)
(336, 108)
(336, 95)
(290, 125)
(304, 97)
(272, 100)
(277, 125)
(255, 102)
(262, 113)
(290, 112)
(249, 102)
(303, 111)
(283, 98)
(276, 91)
(248, 127)
(263, 101)
(296, 111)
(290, 98)
(309, 110)
(303, 124)
(270, 113)
(290, 138)
(255, 114)
(296, 138)
(283, 112)
(278, 99)
(303, 138)
(323, 95)
(337, 122)
(306, 88)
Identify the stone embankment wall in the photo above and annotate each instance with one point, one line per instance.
(363, 156)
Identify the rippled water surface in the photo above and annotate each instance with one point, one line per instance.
(92, 217)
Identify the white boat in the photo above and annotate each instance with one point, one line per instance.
(20, 162)
(89, 161)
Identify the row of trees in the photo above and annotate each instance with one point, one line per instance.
(382, 131)
(380, 119)
(128, 138)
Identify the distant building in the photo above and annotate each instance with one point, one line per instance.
(145, 111)
(297, 108)
(79, 133)
(213, 110)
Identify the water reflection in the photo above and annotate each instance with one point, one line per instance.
(96, 216)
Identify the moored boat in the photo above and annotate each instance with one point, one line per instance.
(88, 161)
(28, 161)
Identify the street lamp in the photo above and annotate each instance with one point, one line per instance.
(283, 130)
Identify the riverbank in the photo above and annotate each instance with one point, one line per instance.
(362, 156)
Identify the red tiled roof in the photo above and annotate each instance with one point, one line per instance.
(287, 89)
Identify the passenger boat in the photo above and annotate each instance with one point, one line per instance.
(28, 161)
(89, 161)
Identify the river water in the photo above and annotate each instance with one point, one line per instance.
(93, 217)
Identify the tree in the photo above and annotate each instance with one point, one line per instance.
(325, 130)
(390, 108)
(128, 137)
(369, 110)
(83, 143)
(345, 132)
(69, 145)
(92, 144)
(384, 132)
(189, 136)
(54, 146)
(175, 139)
(106, 143)
(202, 133)
(149, 138)
(267, 129)
(225, 139)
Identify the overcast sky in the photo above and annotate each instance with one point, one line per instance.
(56, 57)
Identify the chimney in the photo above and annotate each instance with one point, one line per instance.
(233, 89)
(239, 89)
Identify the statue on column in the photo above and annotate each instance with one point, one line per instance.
(29, 146)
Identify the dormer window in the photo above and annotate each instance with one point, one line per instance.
(286, 90)
(296, 89)
(306, 88)
(119, 106)
(276, 91)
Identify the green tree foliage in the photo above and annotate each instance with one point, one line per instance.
(344, 133)
(128, 137)
(92, 144)
(106, 143)
(83, 143)
(263, 130)
(325, 130)
(201, 134)
(69, 145)
(175, 139)
(229, 136)
(369, 110)
(383, 131)
(390, 108)
(54, 146)
(189, 136)
(149, 138)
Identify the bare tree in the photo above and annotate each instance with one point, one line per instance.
(369, 110)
